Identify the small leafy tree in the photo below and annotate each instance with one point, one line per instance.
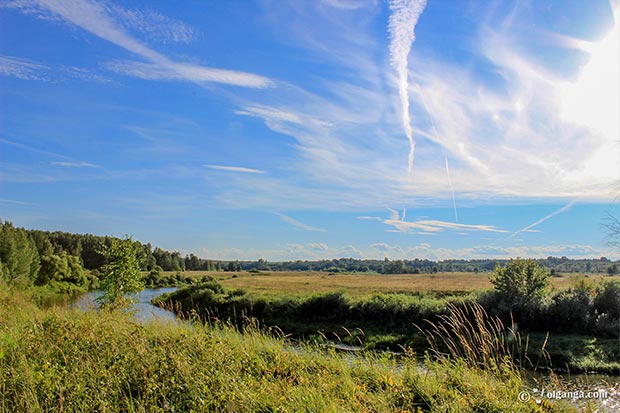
(121, 274)
(520, 282)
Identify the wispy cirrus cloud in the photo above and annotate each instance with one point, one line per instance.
(235, 169)
(97, 18)
(15, 202)
(24, 69)
(77, 164)
(506, 138)
(31, 148)
(27, 69)
(152, 24)
(428, 226)
(432, 226)
(297, 224)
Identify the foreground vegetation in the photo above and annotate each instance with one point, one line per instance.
(66, 360)
(583, 319)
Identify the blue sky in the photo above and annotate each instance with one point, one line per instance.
(314, 129)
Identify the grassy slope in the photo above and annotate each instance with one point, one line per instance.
(61, 360)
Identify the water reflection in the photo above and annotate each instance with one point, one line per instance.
(143, 309)
(589, 392)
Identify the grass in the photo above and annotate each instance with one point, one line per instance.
(387, 321)
(62, 360)
(310, 282)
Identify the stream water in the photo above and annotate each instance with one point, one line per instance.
(142, 309)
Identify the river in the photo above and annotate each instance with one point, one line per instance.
(143, 309)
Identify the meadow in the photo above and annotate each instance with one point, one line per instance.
(387, 312)
(360, 284)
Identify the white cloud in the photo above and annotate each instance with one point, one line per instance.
(185, 71)
(370, 218)
(431, 226)
(22, 68)
(15, 202)
(349, 4)
(77, 164)
(381, 250)
(297, 224)
(27, 69)
(405, 15)
(319, 246)
(428, 226)
(426, 251)
(95, 17)
(504, 139)
(152, 24)
(235, 169)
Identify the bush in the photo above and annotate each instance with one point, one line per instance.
(520, 282)
(607, 309)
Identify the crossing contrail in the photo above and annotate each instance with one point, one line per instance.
(405, 15)
(543, 219)
(443, 151)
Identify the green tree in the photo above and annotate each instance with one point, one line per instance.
(18, 256)
(121, 274)
(63, 267)
(520, 281)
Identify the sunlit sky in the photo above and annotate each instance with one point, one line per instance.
(314, 129)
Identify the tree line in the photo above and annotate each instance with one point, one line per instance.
(35, 257)
(66, 260)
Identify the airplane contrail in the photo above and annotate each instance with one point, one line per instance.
(405, 15)
(443, 151)
(543, 219)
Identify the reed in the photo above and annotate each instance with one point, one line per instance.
(468, 333)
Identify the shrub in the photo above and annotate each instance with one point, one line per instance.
(520, 281)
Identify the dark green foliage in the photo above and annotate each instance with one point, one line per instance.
(393, 314)
(156, 280)
(19, 259)
(325, 307)
(233, 266)
(583, 308)
(520, 282)
(63, 267)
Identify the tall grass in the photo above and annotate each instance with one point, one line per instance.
(469, 334)
(63, 360)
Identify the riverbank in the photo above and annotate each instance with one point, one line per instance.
(73, 361)
(388, 321)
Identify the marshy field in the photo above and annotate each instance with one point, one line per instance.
(309, 282)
